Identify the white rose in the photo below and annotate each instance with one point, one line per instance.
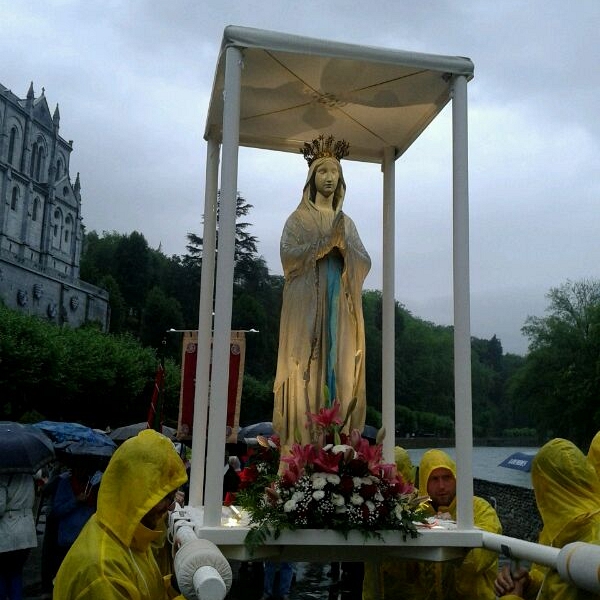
(318, 494)
(370, 505)
(337, 500)
(356, 499)
(398, 511)
(332, 478)
(340, 448)
(289, 506)
(356, 482)
(318, 481)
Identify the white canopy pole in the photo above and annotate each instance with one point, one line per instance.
(388, 362)
(207, 284)
(224, 290)
(462, 326)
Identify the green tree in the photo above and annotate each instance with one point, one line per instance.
(77, 374)
(558, 387)
(372, 306)
(245, 244)
(118, 310)
(132, 258)
(98, 255)
(160, 313)
(257, 401)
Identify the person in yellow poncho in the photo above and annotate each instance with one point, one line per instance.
(387, 578)
(112, 559)
(473, 577)
(470, 579)
(567, 490)
(593, 454)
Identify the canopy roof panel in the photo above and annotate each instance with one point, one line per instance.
(295, 88)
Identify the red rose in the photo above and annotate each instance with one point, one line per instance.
(357, 467)
(248, 476)
(368, 491)
(346, 484)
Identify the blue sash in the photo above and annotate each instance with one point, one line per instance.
(334, 275)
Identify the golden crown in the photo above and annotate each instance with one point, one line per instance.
(324, 146)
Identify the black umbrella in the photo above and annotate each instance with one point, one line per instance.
(23, 449)
(251, 431)
(128, 431)
(85, 454)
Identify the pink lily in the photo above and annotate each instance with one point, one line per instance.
(328, 462)
(371, 455)
(327, 417)
(300, 456)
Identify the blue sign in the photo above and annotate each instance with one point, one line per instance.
(519, 461)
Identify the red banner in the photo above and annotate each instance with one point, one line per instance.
(189, 356)
(155, 412)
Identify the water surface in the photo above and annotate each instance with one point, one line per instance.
(485, 463)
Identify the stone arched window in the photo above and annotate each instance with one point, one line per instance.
(57, 228)
(38, 157)
(41, 159)
(32, 164)
(14, 200)
(36, 209)
(12, 142)
(68, 228)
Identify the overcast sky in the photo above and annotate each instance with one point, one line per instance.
(133, 79)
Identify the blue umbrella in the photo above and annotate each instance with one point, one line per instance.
(519, 461)
(370, 432)
(23, 449)
(61, 433)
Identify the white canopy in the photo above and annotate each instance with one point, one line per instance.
(294, 88)
(276, 91)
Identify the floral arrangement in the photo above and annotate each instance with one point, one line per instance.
(339, 482)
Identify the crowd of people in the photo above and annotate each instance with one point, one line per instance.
(106, 532)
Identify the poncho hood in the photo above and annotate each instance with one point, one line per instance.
(434, 459)
(566, 489)
(594, 453)
(404, 465)
(141, 472)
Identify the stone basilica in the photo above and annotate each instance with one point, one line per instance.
(40, 218)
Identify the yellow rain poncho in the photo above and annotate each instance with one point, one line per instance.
(112, 559)
(388, 579)
(471, 579)
(594, 453)
(567, 492)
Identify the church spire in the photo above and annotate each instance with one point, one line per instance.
(56, 117)
(30, 94)
(77, 186)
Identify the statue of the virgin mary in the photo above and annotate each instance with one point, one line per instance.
(321, 357)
